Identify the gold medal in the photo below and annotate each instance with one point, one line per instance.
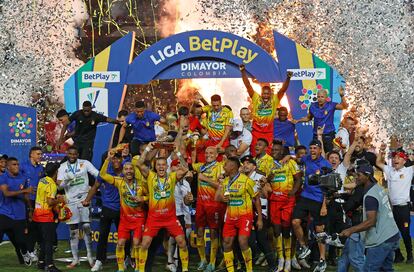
(93, 122)
(326, 112)
(147, 124)
(402, 176)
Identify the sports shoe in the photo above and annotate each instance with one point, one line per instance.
(90, 261)
(334, 240)
(41, 265)
(33, 257)
(210, 268)
(281, 265)
(97, 266)
(295, 264)
(53, 268)
(409, 259)
(288, 266)
(322, 237)
(260, 259)
(202, 266)
(303, 263)
(303, 252)
(27, 259)
(321, 267)
(73, 264)
(264, 263)
(171, 267)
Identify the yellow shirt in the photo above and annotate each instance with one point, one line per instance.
(264, 114)
(205, 192)
(46, 188)
(242, 193)
(283, 180)
(129, 208)
(161, 195)
(216, 122)
(265, 164)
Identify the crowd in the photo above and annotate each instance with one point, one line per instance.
(265, 199)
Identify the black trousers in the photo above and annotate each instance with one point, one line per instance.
(32, 233)
(47, 232)
(402, 219)
(108, 216)
(327, 141)
(85, 150)
(259, 241)
(15, 230)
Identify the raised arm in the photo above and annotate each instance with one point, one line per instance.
(246, 81)
(285, 85)
(122, 133)
(380, 161)
(348, 154)
(141, 162)
(319, 132)
(343, 105)
(104, 170)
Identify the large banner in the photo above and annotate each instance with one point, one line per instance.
(310, 74)
(17, 130)
(102, 82)
(202, 54)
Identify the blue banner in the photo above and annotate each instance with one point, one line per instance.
(17, 130)
(201, 54)
(310, 74)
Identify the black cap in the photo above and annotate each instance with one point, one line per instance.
(366, 169)
(315, 142)
(3, 157)
(248, 159)
(118, 155)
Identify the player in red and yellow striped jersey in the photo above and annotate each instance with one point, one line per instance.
(132, 197)
(263, 108)
(161, 212)
(218, 123)
(238, 191)
(284, 181)
(263, 160)
(209, 212)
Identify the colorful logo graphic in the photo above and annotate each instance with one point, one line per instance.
(98, 98)
(92, 97)
(310, 96)
(20, 125)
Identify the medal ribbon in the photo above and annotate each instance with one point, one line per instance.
(232, 181)
(132, 191)
(161, 187)
(207, 166)
(73, 169)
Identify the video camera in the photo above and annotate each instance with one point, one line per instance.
(329, 181)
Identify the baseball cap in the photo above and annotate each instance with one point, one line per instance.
(400, 153)
(315, 142)
(3, 157)
(248, 159)
(237, 125)
(365, 169)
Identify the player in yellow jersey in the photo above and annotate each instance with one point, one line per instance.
(132, 197)
(238, 191)
(284, 181)
(161, 211)
(263, 108)
(218, 123)
(43, 216)
(209, 212)
(263, 160)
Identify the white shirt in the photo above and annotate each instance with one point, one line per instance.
(180, 191)
(245, 137)
(399, 184)
(344, 134)
(75, 179)
(263, 201)
(159, 130)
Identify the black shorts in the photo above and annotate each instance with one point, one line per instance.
(305, 207)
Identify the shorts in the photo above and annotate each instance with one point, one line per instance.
(305, 207)
(155, 224)
(281, 210)
(127, 225)
(240, 226)
(79, 214)
(209, 215)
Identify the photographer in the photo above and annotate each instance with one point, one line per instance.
(311, 202)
